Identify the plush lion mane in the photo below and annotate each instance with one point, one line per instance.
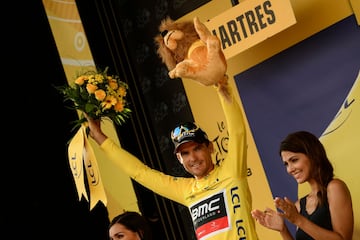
(169, 58)
(206, 63)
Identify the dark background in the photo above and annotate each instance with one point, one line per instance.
(39, 200)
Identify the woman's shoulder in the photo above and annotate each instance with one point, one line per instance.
(337, 182)
(337, 186)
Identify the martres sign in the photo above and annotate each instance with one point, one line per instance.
(249, 23)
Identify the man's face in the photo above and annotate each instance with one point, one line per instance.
(196, 158)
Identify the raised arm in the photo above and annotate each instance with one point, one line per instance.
(236, 162)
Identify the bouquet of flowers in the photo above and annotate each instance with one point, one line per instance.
(99, 95)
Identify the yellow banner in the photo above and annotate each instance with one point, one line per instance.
(96, 188)
(75, 155)
(249, 23)
(81, 155)
(75, 54)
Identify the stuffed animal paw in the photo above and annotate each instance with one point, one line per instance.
(189, 50)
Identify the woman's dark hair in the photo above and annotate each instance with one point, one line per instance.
(135, 222)
(321, 168)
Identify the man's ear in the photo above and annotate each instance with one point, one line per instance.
(178, 156)
(211, 147)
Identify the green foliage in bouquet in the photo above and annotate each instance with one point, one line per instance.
(99, 95)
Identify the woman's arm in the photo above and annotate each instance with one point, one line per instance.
(341, 209)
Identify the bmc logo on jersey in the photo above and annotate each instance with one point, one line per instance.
(210, 215)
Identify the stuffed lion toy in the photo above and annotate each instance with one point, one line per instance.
(189, 50)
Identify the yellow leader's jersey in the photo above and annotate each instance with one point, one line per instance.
(220, 204)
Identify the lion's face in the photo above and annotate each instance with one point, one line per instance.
(174, 41)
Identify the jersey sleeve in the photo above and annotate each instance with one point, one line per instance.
(236, 159)
(160, 183)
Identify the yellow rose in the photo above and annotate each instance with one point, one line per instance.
(100, 94)
(80, 80)
(91, 88)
